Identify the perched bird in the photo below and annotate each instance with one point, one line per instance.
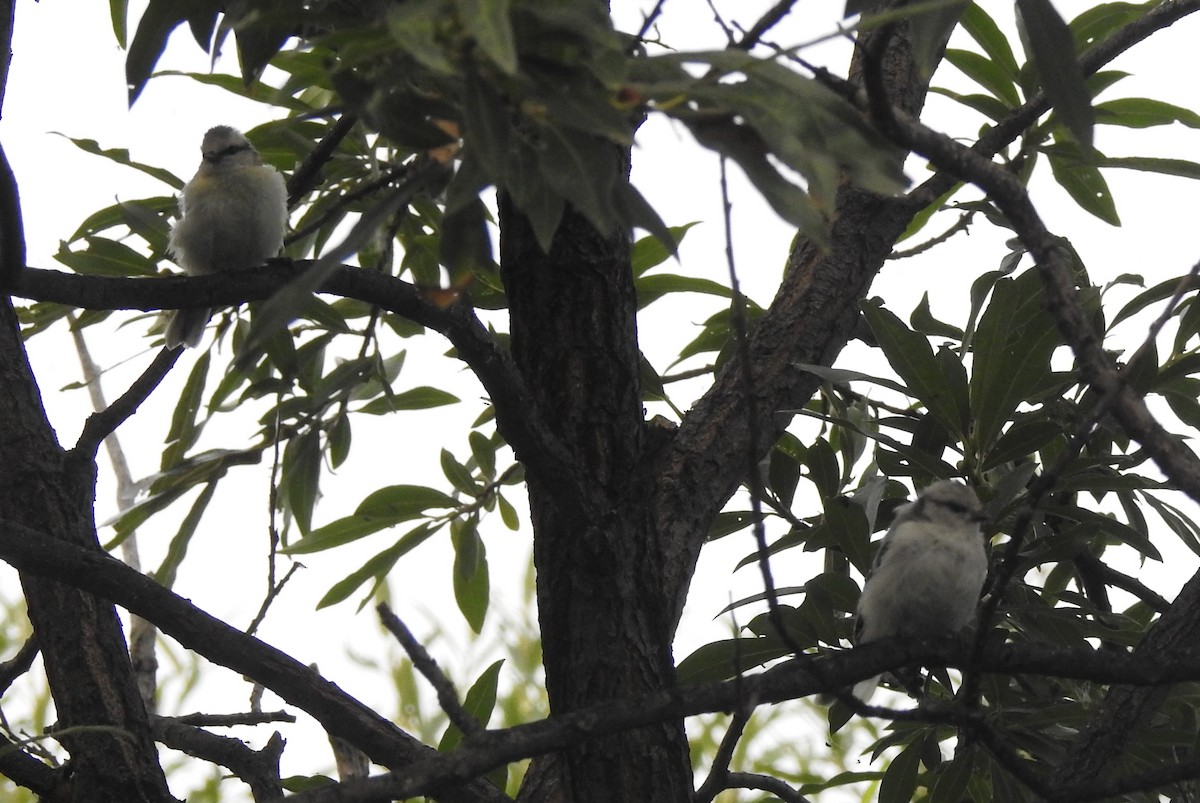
(928, 574)
(233, 216)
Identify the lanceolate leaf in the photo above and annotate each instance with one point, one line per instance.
(1013, 344)
(911, 356)
(1051, 47)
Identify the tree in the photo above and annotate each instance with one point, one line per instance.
(397, 118)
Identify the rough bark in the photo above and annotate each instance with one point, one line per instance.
(82, 644)
(605, 633)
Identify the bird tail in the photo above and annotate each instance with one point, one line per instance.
(186, 327)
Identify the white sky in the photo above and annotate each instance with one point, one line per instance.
(68, 76)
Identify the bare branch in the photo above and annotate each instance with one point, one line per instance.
(19, 664)
(259, 769)
(102, 424)
(229, 720)
(339, 713)
(423, 771)
(516, 412)
(427, 666)
(764, 783)
(718, 773)
(307, 174)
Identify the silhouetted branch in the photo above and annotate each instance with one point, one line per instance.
(423, 771)
(764, 783)
(516, 412)
(259, 769)
(427, 666)
(340, 714)
(19, 664)
(229, 720)
(102, 424)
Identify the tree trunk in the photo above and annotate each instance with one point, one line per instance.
(605, 629)
(80, 637)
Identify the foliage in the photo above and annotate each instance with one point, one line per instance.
(420, 109)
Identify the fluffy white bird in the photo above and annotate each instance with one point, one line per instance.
(233, 216)
(928, 574)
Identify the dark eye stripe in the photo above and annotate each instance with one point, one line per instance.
(229, 150)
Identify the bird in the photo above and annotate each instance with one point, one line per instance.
(233, 216)
(928, 573)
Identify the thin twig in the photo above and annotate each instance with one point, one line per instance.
(308, 173)
(753, 476)
(19, 664)
(765, 23)
(258, 769)
(962, 224)
(102, 424)
(1131, 585)
(427, 666)
(650, 19)
(200, 720)
(718, 773)
(764, 783)
(272, 594)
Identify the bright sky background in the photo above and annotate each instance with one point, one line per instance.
(67, 76)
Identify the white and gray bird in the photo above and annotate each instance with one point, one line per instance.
(928, 573)
(233, 217)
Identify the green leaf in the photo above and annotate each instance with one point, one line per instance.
(1013, 344)
(421, 398)
(984, 30)
(900, 779)
(1021, 440)
(1150, 164)
(653, 287)
(105, 257)
(160, 19)
(458, 474)
(985, 72)
(1102, 20)
(1159, 292)
(508, 513)
(847, 522)
(382, 509)
(1144, 113)
(722, 660)
(465, 245)
(951, 785)
(823, 470)
(487, 21)
(379, 565)
(339, 441)
(1086, 186)
(479, 703)
(472, 587)
(747, 149)
(301, 480)
(118, 12)
(177, 549)
(121, 157)
(1050, 45)
(650, 251)
(184, 432)
(911, 356)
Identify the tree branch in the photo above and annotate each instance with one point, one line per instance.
(516, 412)
(19, 664)
(427, 666)
(101, 424)
(259, 769)
(340, 714)
(423, 771)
